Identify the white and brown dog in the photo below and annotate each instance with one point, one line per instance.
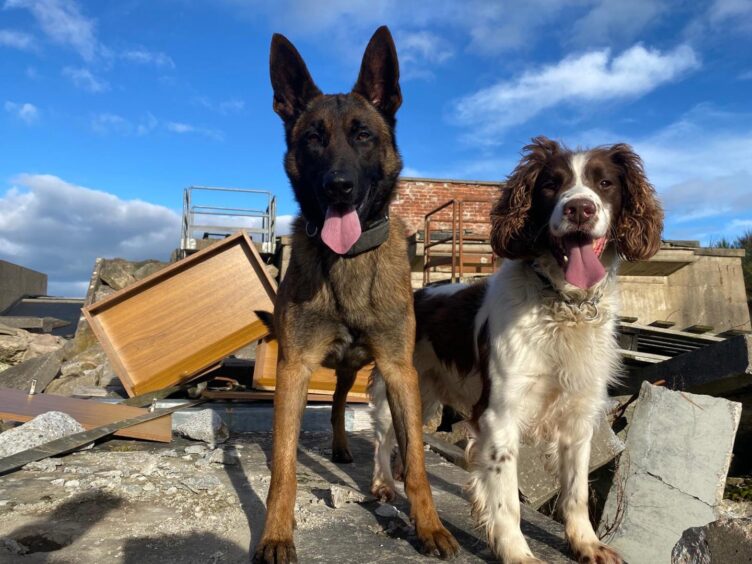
(530, 353)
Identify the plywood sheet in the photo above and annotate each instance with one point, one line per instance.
(175, 323)
(16, 405)
(323, 381)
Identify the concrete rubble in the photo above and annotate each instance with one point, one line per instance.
(204, 425)
(140, 502)
(42, 429)
(43, 369)
(18, 345)
(723, 541)
(672, 473)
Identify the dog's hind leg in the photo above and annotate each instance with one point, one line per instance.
(403, 395)
(382, 484)
(340, 451)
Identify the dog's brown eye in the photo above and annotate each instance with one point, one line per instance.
(313, 137)
(605, 183)
(363, 135)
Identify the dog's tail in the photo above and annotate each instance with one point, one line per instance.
(268, 320)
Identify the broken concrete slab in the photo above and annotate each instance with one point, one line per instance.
(42, 429)
(28, 323)
(204, 425)
(173, 517)
(720, 542)
(42, 368)
(716, 369)
(536, 483)
(672, 473)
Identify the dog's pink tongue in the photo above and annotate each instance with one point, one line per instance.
(341, 229)
(583, 269)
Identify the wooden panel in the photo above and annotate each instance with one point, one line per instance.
(323, 381)
(266, 395)
(16, 405)
(175, 323)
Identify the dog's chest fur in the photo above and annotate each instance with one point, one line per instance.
(345, 299)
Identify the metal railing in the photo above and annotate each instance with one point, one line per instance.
(202, 221)
(462, 253)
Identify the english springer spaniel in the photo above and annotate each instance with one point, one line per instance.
(530, 353)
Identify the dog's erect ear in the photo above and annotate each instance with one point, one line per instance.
(638, 232)
(291, 81)
(513, 234)
(378, 81)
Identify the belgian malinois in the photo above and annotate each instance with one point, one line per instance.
(346, 298)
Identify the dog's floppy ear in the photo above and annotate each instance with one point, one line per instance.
(378, 81)
(291, 81)
(638, 232)
(513, 234)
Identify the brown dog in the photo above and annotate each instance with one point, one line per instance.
(346, 298)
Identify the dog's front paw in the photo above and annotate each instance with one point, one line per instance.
(342, 455)
(597, 553)
(438, 542)
(275, 551)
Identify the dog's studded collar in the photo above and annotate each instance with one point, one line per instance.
(374, 236)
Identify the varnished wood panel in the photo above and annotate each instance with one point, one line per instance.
(175, 323)
(16, 405)
(323, 381)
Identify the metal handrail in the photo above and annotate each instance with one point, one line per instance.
(192, 212)
(457, 236)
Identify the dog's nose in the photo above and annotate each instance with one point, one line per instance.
(579, 210)
(337, 185)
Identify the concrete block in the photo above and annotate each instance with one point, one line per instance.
(720, 542)
(42, 368)
(42, 429)
(204, 425)
(538, 485)
(17, 282)
(672, 472)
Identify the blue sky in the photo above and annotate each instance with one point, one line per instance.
(109, 109)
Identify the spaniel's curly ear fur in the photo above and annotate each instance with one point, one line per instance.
(512, 233)
(638, 232)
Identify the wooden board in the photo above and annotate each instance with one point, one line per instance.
(170, 326)
(16, 405)
(268, 395)
(323, 381)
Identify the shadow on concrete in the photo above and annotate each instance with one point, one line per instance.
(186, 548)
(68, 522)
(251, 504)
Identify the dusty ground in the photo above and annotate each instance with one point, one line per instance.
(128, 502)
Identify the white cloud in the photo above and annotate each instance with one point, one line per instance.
(110, 123)
(186, 128)
(611, 20)
(64, 24)
(594, 76)
(418, 50)
(738, 12)
(224, 107)
(26, 112)
(60, 228)
(84, 79)
(143, 56)
(16, 39)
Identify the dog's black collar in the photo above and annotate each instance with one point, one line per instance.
(372, 237)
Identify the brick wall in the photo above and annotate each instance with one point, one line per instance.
(417, 196)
